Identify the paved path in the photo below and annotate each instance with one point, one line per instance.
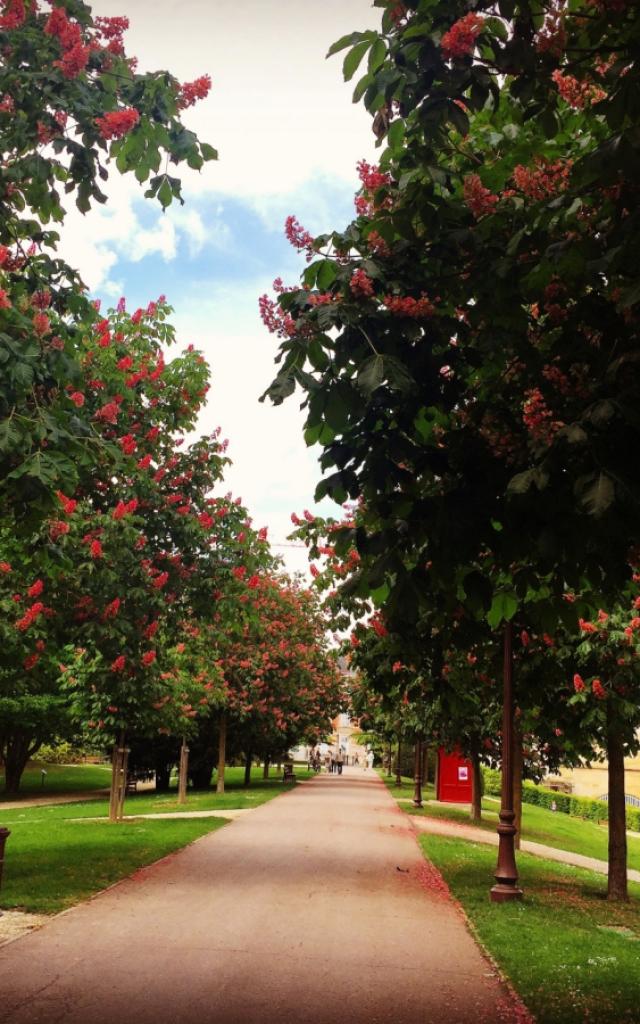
(458, 830)
(54, 798)
(315, 908)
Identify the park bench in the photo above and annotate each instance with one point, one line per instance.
(136, 775)
(289, 775)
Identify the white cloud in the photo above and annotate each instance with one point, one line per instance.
(278, 112)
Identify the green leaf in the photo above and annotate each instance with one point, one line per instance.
(208, 152)
(503, 607)
(598, 496)
(344, 41)
(353, 59)
(165, 194)
(326, 274)
(371, 374)
(377, 54)
(395, 135)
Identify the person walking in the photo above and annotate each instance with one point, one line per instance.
(339, 762)
(370, 759)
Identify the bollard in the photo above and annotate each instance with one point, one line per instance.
(4, 835)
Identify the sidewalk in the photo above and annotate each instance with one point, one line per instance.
(54, 798)
(458, 830)
(317, 907)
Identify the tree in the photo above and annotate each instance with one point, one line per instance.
(479, 417)
(71, 106)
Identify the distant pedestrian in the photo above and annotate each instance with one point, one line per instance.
(356, 761)
(370, 759)
(339, 762)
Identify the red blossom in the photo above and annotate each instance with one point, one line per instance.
(148, 658)
(14, 15)
(361, 285)
(598, 689)
(117, 123)
(460, 40)
(299, 238)
(73, 60)
(117, 665)
(36, 589)
(77, 398)
(191, 92)
(95, 550)
(480, 200)
(68, 504)
(578, 683)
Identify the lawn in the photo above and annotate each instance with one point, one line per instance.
(571, 955)
(59, 779)
(55, 859)
(576, 835)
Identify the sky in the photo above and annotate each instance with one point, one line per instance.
(289, 138)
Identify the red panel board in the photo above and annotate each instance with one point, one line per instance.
(454, 778)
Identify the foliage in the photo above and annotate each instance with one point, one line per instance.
(71, 106)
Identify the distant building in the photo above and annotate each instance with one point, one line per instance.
(592, 782)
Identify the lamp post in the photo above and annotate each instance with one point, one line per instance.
(506, 875)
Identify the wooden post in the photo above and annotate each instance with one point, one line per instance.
(247, 769)
(398, 768)
(506, 887)
(417, 777)
(222, 752)
(118, 780)
(476, 787)
(183, 772)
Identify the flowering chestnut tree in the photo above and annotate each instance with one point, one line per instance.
(72, 105)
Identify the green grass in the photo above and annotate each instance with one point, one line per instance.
(551, 945)
(540, 825)
(59, 779)
(55, 859)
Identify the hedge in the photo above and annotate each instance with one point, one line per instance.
(576, 806)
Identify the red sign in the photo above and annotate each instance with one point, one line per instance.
(454, 778)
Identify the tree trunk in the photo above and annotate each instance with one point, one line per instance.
(389, 771)
(247, 769)
(118, 780)
(222, 753)
(17, 751)
(417, 776)
(518, 764)
(398, 767)
(617, 882)
(265, 769)
(425, 765)
(476, 788)
(183, 772)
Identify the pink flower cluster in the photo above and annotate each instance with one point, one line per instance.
(117, 123)
(460, 40)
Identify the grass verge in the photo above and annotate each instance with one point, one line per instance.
(571, 955)
(54, 859)
(58, 779)
(540, 825)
